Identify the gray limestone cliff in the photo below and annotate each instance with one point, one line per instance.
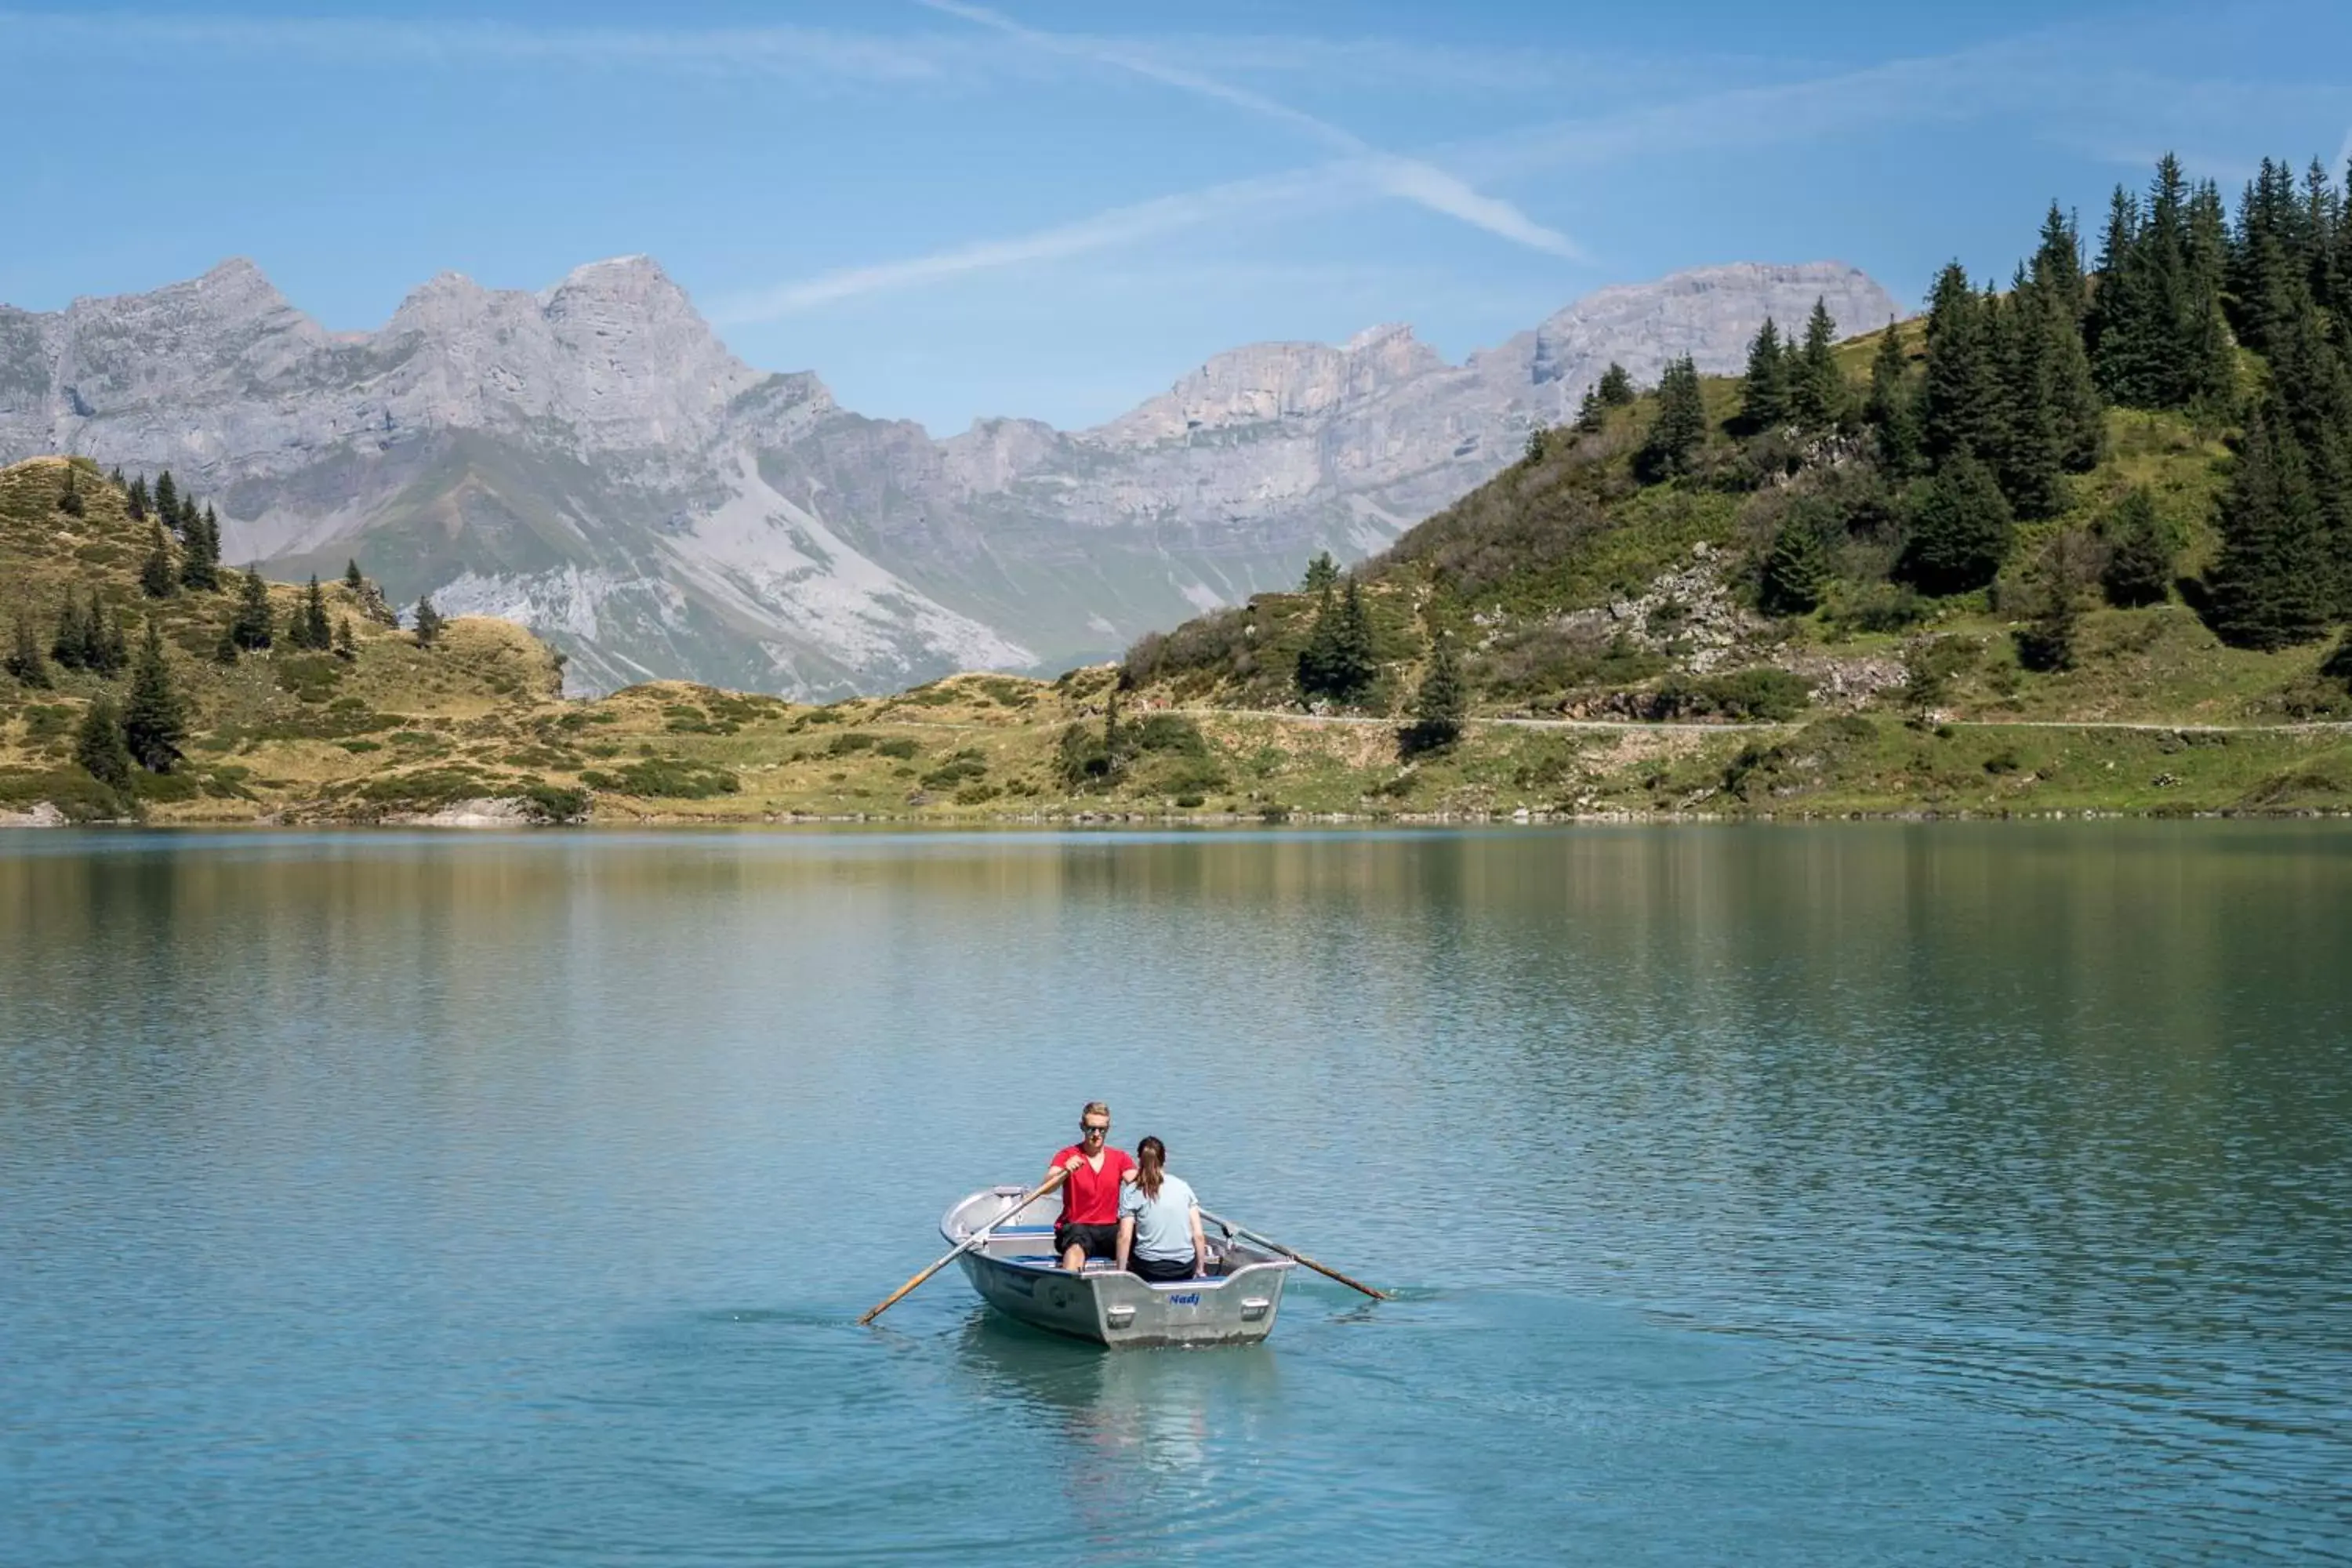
(591, 461)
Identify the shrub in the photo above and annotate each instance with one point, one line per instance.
(666, 778)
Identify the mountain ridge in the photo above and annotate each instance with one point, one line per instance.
(591, 459)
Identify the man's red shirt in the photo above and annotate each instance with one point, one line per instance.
(1091, 1196)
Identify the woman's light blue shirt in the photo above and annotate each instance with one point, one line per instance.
(1163, 1225)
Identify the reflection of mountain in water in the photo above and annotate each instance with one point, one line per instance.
(1156, 1445)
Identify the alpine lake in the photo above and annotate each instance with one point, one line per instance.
(1886, 1192)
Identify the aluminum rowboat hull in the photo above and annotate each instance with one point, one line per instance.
(1016, 1271)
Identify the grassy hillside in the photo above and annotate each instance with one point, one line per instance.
(399, 732)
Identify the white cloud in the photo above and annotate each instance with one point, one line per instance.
(1107, 230)
(1409, 179)
(457, 43)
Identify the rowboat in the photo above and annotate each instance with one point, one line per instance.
(1016, 1272)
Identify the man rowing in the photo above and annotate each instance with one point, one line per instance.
(1090, 1223)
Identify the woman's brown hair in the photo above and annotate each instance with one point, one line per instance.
(1150, 1164)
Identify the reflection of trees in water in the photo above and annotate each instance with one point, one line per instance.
(1153, 1445)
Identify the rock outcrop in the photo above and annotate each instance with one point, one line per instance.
(592, 461)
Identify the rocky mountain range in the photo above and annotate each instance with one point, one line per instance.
(593, 462)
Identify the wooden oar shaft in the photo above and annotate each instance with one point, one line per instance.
(966, 1245)
(1294, 1254)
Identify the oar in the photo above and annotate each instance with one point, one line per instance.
(969, 1242)
(1292, 1253)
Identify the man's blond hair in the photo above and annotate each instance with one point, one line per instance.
(1095, 1108)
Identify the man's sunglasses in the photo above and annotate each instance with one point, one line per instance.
(1093, 1130)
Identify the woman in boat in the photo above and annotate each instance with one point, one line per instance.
(1159, 1221)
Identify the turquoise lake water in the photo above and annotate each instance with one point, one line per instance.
(1861, 1193)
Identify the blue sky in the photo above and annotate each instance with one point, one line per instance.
(1054, 209)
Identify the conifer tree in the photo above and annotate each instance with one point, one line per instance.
(1959, 528)
(1960, 400)
(98, 745)
(157, 577)
(1440, 702)
(167, 500)
(2030, 454)
(1764, 393)
(200, 564)
(1802, 562)
(134, 499)
(1816, 387)
(1354, 667)
(1322, 572)
(1615, 387)
(429, 622)
(2268, 582)
(1678, 429)
(310, 629)
(69, 498)
(106, 632)
(352, 580)
(2058, 267)
(1591, 414)
(24, 660)
(115, 478)
(2138, 570)
(71, 646)
(1890, 410)
(1319, 656)
(346, 648)
(154, 720)
(253, 628)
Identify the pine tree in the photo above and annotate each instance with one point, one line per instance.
(106, 635)
(167, 500)
(200, 564)
(1959, 528)
(310, 629)
(346, 648)
(2139, 554)
(1354, 666)
(1802, 560)
(1591, 414)
(253, 628)
(1322, 572)
(1319, 656)
(157, 576)
(1816, 387)
(429, 622)
(1678, 429)
(71, 646)
(351, 578)
(1960, 400)
(134, 499)
(1440, 702)
(1764, 394)
(1615, 387)
(25, 661)
(2058, 267)
(154, 720)
(2268, 583)
(2030, 453)
(98, 745)
(2061, 299)
(1890, 410)
(69, 498)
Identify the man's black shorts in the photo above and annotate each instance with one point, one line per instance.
(1099, 1240)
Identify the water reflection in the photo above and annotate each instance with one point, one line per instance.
(1152, 1445)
